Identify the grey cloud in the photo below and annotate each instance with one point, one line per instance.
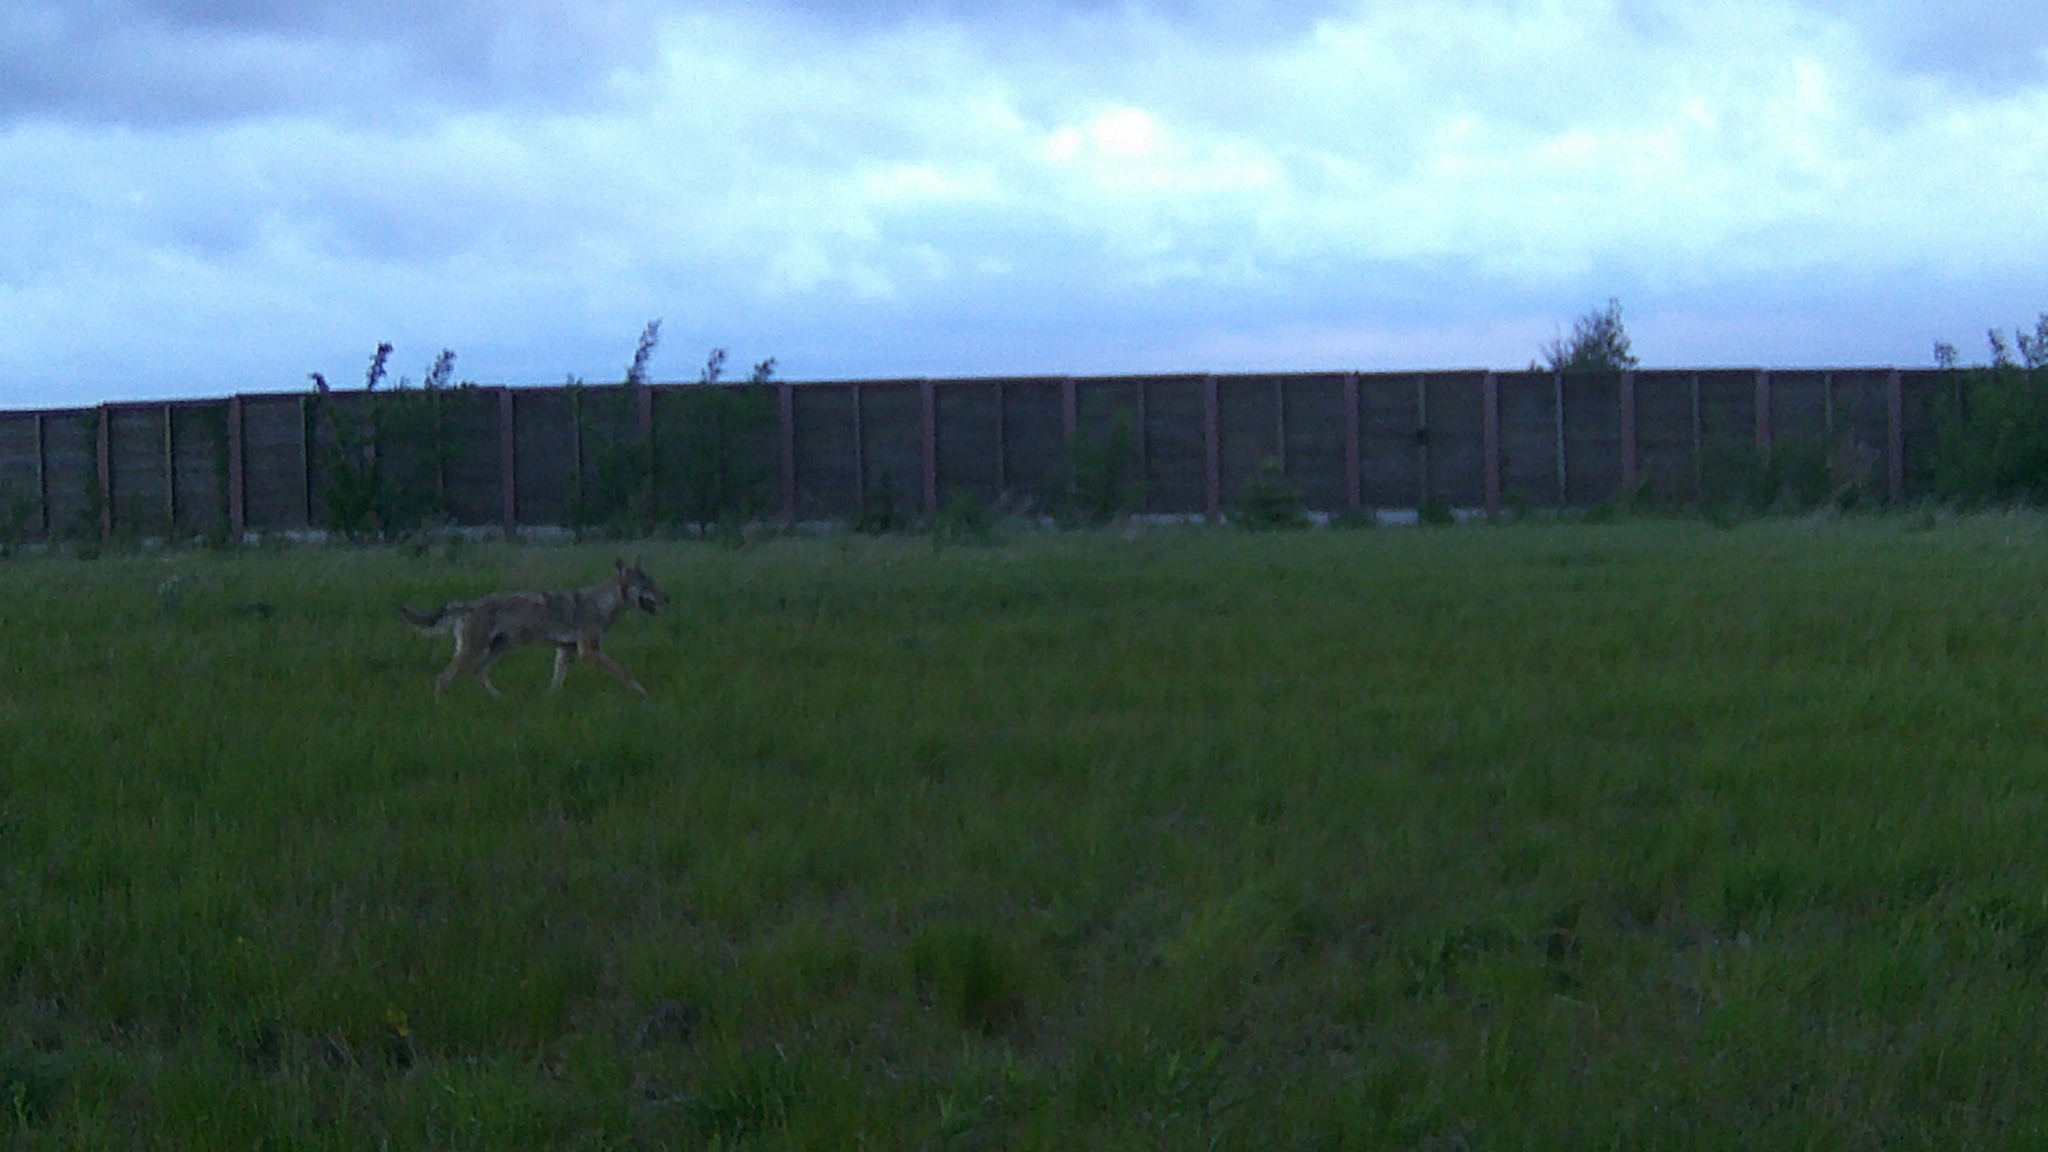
(1981, 47)
(157, 62)
(1240, 21)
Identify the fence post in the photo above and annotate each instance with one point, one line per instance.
(1351, 461)
(306, 434)
(170, 477)
(1699, 475)
(103, 443)
(1212, 447)
(508, 463)
(238, 512)
(1763, 416)
(928, 442)
(785, 406)
(43, 472)
(1279, 422)
(1489, 407)
(860, 448)
(1422, 492)
(643, 426)
(1144, 452)
(1557, 406)
(576, 494)
(1628, 432)
(1895, 432)
(1002, 449)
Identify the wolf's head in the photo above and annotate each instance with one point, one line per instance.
(638, 587)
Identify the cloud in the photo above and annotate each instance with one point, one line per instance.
(157, 63)
(1996, 47)
(248, 191)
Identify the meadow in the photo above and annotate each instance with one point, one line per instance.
(1642, 835)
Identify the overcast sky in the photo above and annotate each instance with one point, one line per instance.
(200, 197)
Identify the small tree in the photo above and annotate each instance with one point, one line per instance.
(712, 448)
(384, 457)
(611, 491)
(1992, 429)
(1599, 343)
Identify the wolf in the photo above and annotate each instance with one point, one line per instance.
(573, 621)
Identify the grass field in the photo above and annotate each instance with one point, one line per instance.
(1638, 835)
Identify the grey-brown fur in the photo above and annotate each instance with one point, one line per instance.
(573, 621)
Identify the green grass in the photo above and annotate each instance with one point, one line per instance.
(1641, 835)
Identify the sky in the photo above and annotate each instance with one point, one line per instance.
(203, 197)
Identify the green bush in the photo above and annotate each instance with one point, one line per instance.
(709, 449)
(1269, 501)
(878, 514)
(964, 518)
(1991, 424)
(384, 460)
(1992, 436)
(1098, 479)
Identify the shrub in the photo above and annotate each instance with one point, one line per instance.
(965, 518)
(1269, 501)
(1992, 424)
(709, 447)
(1097, 480)
(384, 458)
(878, 515)
(20, 518)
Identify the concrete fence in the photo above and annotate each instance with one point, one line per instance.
(517, 457)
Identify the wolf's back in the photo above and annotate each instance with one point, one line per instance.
(439, 620)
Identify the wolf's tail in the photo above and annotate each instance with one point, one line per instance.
(439, 620)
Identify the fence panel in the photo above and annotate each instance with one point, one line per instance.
(1802, 411)
(544, 451)
(1925, 394)
(1728, 454)
(71, 471)
(828, 469)
(969, 444)
(1176, 446)
(1032, 442)
(1862, 416)
(472, 483)
(138, 456)
(1389, 448)
(1666, 464)
(1592, 438)
(1248, 414)
(1112, 411)
(892, 446)
(1454, 407)
(275, 459)
(1529, 440)
(1314, 410)
(199, 468)
(21, 476)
